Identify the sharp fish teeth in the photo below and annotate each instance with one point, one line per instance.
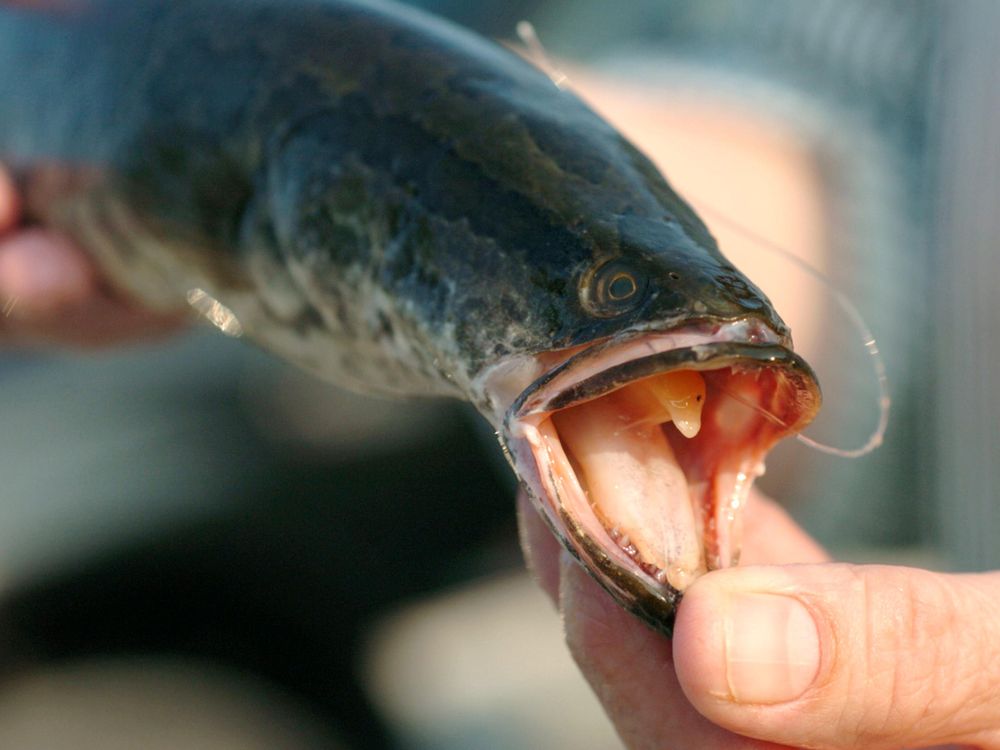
(682, 394)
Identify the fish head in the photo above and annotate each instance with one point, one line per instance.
(640, 436)
(661, 272)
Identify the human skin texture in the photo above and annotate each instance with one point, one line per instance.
(52, 294)
(789, 649)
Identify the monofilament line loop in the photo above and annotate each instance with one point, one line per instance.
(878, 364)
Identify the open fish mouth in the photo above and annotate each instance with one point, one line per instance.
(640, 451)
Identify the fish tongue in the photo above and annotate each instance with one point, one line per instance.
(634, 483)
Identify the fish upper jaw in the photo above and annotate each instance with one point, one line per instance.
(640, 450)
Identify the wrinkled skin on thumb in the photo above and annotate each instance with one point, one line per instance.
(842, 656)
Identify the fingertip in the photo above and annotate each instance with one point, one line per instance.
(41, 272)
(50, 293)
(699, 637)
(746, 645)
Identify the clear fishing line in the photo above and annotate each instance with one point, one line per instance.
(533, 50)
(884, 400)
(535, 53)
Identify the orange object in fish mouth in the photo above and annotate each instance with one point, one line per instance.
(641, 451)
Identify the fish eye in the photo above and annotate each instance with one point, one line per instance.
(622, 286)
(612, 288)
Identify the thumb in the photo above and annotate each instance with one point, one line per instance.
(841, 656)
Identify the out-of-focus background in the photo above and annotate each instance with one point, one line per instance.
(201, 548)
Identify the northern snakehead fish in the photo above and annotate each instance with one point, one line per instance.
(405, 208)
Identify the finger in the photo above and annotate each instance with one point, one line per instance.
(50, 293)
(840, 656)
(10, 204)
(41, 272)
(540, 547)
(771, 536)
(96, 322)
(631, 670)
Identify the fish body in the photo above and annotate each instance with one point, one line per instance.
(405, 208)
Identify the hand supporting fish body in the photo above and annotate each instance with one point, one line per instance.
(405, 208)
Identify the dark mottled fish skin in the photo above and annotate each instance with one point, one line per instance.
(412, 201)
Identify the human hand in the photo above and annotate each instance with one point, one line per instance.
(821, 655)
(51, 292)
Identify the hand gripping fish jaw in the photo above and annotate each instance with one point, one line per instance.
(640, 451)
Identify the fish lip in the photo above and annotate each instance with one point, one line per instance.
(698, 357)
(705, 345)
(701, 345)
(707, 356)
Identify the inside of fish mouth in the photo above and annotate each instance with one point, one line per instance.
(655, 471)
